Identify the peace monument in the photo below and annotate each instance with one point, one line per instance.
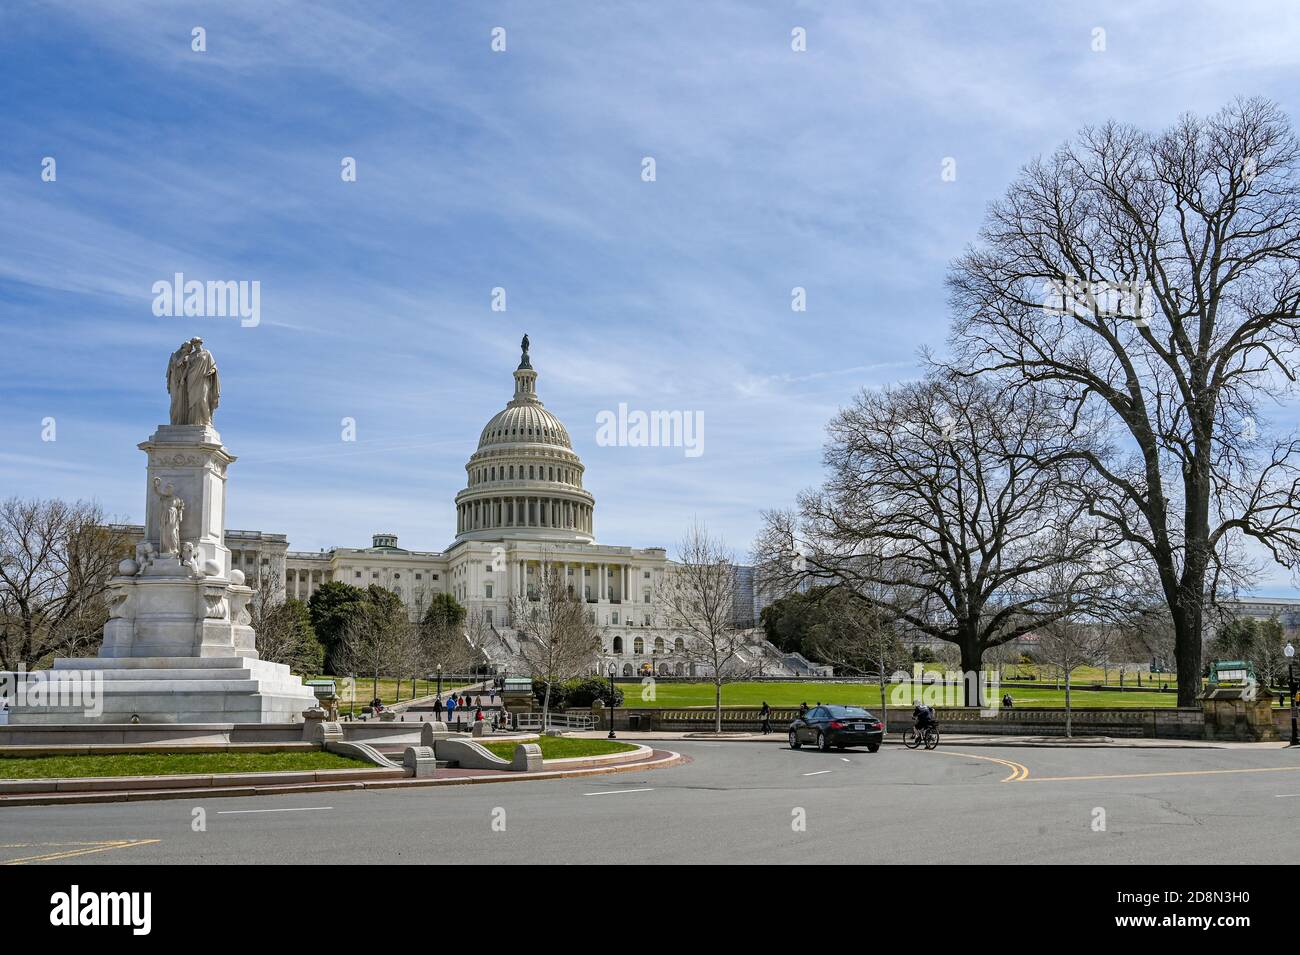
(177, 646)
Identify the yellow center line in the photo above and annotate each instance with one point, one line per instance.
(1019, 771)
(38, 845)
(1185, 772)
(70, 853)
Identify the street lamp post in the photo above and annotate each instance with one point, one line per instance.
(611, 703)
(1290, 669)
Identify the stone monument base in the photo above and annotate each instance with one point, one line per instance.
(164, 690)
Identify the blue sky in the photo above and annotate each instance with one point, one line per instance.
(522, 170)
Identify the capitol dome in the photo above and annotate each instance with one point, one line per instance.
(524, 481)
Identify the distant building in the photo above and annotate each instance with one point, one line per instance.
(1286, 609)
(744, 612)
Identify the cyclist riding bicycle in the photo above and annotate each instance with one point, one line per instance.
(922, 716)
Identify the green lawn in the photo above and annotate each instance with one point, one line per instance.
(169, 764)
(563, 747)
(669, 694)
(1082, 675)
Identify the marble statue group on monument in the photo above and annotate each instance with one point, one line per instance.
(193, 383)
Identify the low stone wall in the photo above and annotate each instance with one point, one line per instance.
(1161, 722)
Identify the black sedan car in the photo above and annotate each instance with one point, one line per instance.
(835, 727)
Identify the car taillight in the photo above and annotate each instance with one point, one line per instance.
(836, 725)
(877, 726)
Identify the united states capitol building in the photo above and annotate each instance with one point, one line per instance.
(525, 506)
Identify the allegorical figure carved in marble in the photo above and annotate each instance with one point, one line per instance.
(193, 383)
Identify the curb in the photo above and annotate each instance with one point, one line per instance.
(671, 758)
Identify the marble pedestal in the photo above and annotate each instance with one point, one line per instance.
(175, 690)
(177, 647)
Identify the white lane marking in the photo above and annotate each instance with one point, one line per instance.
(615, 792)
(819, 772)
(1286, 795)
(239, 812)
(844, 759)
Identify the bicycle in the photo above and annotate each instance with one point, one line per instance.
(929, 737)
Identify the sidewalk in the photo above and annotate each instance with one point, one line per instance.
(946, 739)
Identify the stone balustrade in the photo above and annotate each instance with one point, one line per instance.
(1148, 722)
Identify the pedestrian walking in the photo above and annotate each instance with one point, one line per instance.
(766, 713)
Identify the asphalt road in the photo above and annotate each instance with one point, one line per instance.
(737, 802)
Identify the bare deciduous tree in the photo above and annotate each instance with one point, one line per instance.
(56, 559)
(558, 640)
(283, 628)
(699, 598)
(950, 506)
(451, 643)
(1155, 280)
(1066, 645)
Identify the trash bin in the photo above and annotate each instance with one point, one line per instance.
(634, 721)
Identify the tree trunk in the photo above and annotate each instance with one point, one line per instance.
(1187, 652)
(1191, 585)
(546, 705)
(717, 706)
(884, 706)
(1067, 703)
(971, 658)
